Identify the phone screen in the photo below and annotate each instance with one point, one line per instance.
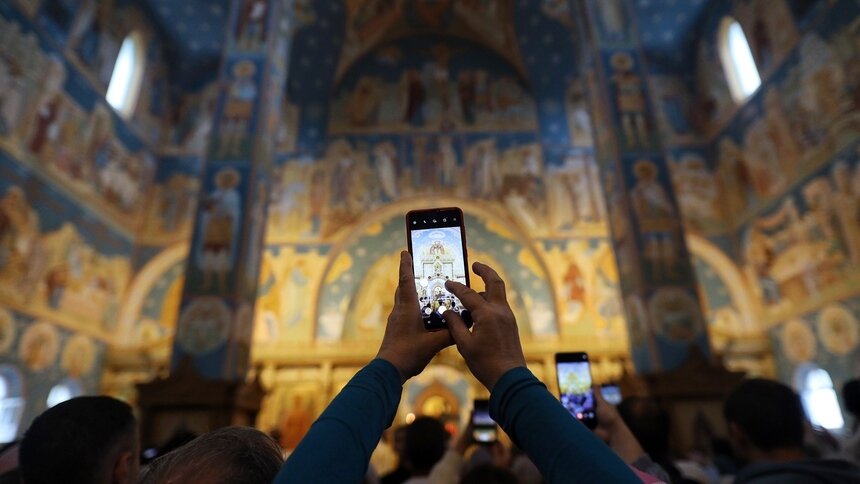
(484, 427)
(611, 393)
(575, 387)
(437, 244)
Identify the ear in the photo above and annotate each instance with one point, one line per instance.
(122, 470)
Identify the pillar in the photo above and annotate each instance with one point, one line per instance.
(216, 313)
(665, 319)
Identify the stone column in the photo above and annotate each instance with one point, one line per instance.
(658, 285)
(216, 314)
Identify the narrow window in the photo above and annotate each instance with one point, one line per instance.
(125, 82)
(819, 397)
(737, 59)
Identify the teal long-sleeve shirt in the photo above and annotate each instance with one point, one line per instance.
(338, 446)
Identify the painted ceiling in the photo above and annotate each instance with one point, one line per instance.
(194, 29)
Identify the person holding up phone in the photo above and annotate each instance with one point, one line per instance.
(339, 444)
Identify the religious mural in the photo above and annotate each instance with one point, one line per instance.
(48, 126)
(783, 167)
(431, 85)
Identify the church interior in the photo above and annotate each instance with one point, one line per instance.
(215, 190)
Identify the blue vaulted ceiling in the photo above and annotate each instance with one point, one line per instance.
(668, 30)
(195, 29)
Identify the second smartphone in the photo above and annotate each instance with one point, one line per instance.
(484, 428)
(437, 242)
(575, 387)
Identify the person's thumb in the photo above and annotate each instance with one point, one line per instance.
(457, 328)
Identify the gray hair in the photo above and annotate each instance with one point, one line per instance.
(226, 456)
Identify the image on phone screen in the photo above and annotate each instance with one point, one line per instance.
(484, 427)
(575, 389)
(437, 256)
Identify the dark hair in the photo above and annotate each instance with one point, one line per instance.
(649, 423)
(768, 412)
(851, 396)
(71, 441)
(241, 455)
(489, 474)
(425, 443)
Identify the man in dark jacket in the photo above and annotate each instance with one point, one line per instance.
(766, 422)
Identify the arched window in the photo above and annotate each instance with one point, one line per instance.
(11, 403)
(737, 59)
(125, 82)
(819, 397)
(65, 390)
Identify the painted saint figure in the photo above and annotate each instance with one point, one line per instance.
(221, 220)
(239, 108)
(630, 100)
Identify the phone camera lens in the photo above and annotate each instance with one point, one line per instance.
(444, 219)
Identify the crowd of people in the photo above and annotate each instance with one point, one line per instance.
(96, 439)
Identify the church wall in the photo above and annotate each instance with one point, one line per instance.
(75, 183)
(784, 167)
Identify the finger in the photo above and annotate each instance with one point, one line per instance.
(457, 328)
(483, 294)
(440, 339)
(494, 284)
(406, 292)
(467, 295)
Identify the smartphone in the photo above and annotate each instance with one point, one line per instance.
(574, 385)
(484, 428)
(611, 393)
(437, 242)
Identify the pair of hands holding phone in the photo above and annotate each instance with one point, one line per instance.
(490, 349)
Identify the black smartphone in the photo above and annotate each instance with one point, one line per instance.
(484, 428)
(437, 242)
(575, 388)
(611, 393)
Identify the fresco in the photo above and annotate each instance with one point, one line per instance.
(50, 122)
(807, 246)
(783, 167)
(45, 353)
(369, 23)
(319, 199)
(827, 337)
(77, 273)
(430, 85)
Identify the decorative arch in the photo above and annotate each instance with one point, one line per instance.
(142, 285)
(733, 279)
(382, 233)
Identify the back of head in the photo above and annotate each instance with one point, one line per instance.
(769, 414)
(229, 455)
(851, 396)
(649, 423)
(489, 474)
(425, 444)
(78, 441)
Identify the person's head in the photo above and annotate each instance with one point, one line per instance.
(399, 442)
(489, 474)
(82, 440)
(228, 455)
(765, 419)
(649, 423)
(425, 444)
(851, 396)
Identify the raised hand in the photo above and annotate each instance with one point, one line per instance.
(493, 346)
(406, 344)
